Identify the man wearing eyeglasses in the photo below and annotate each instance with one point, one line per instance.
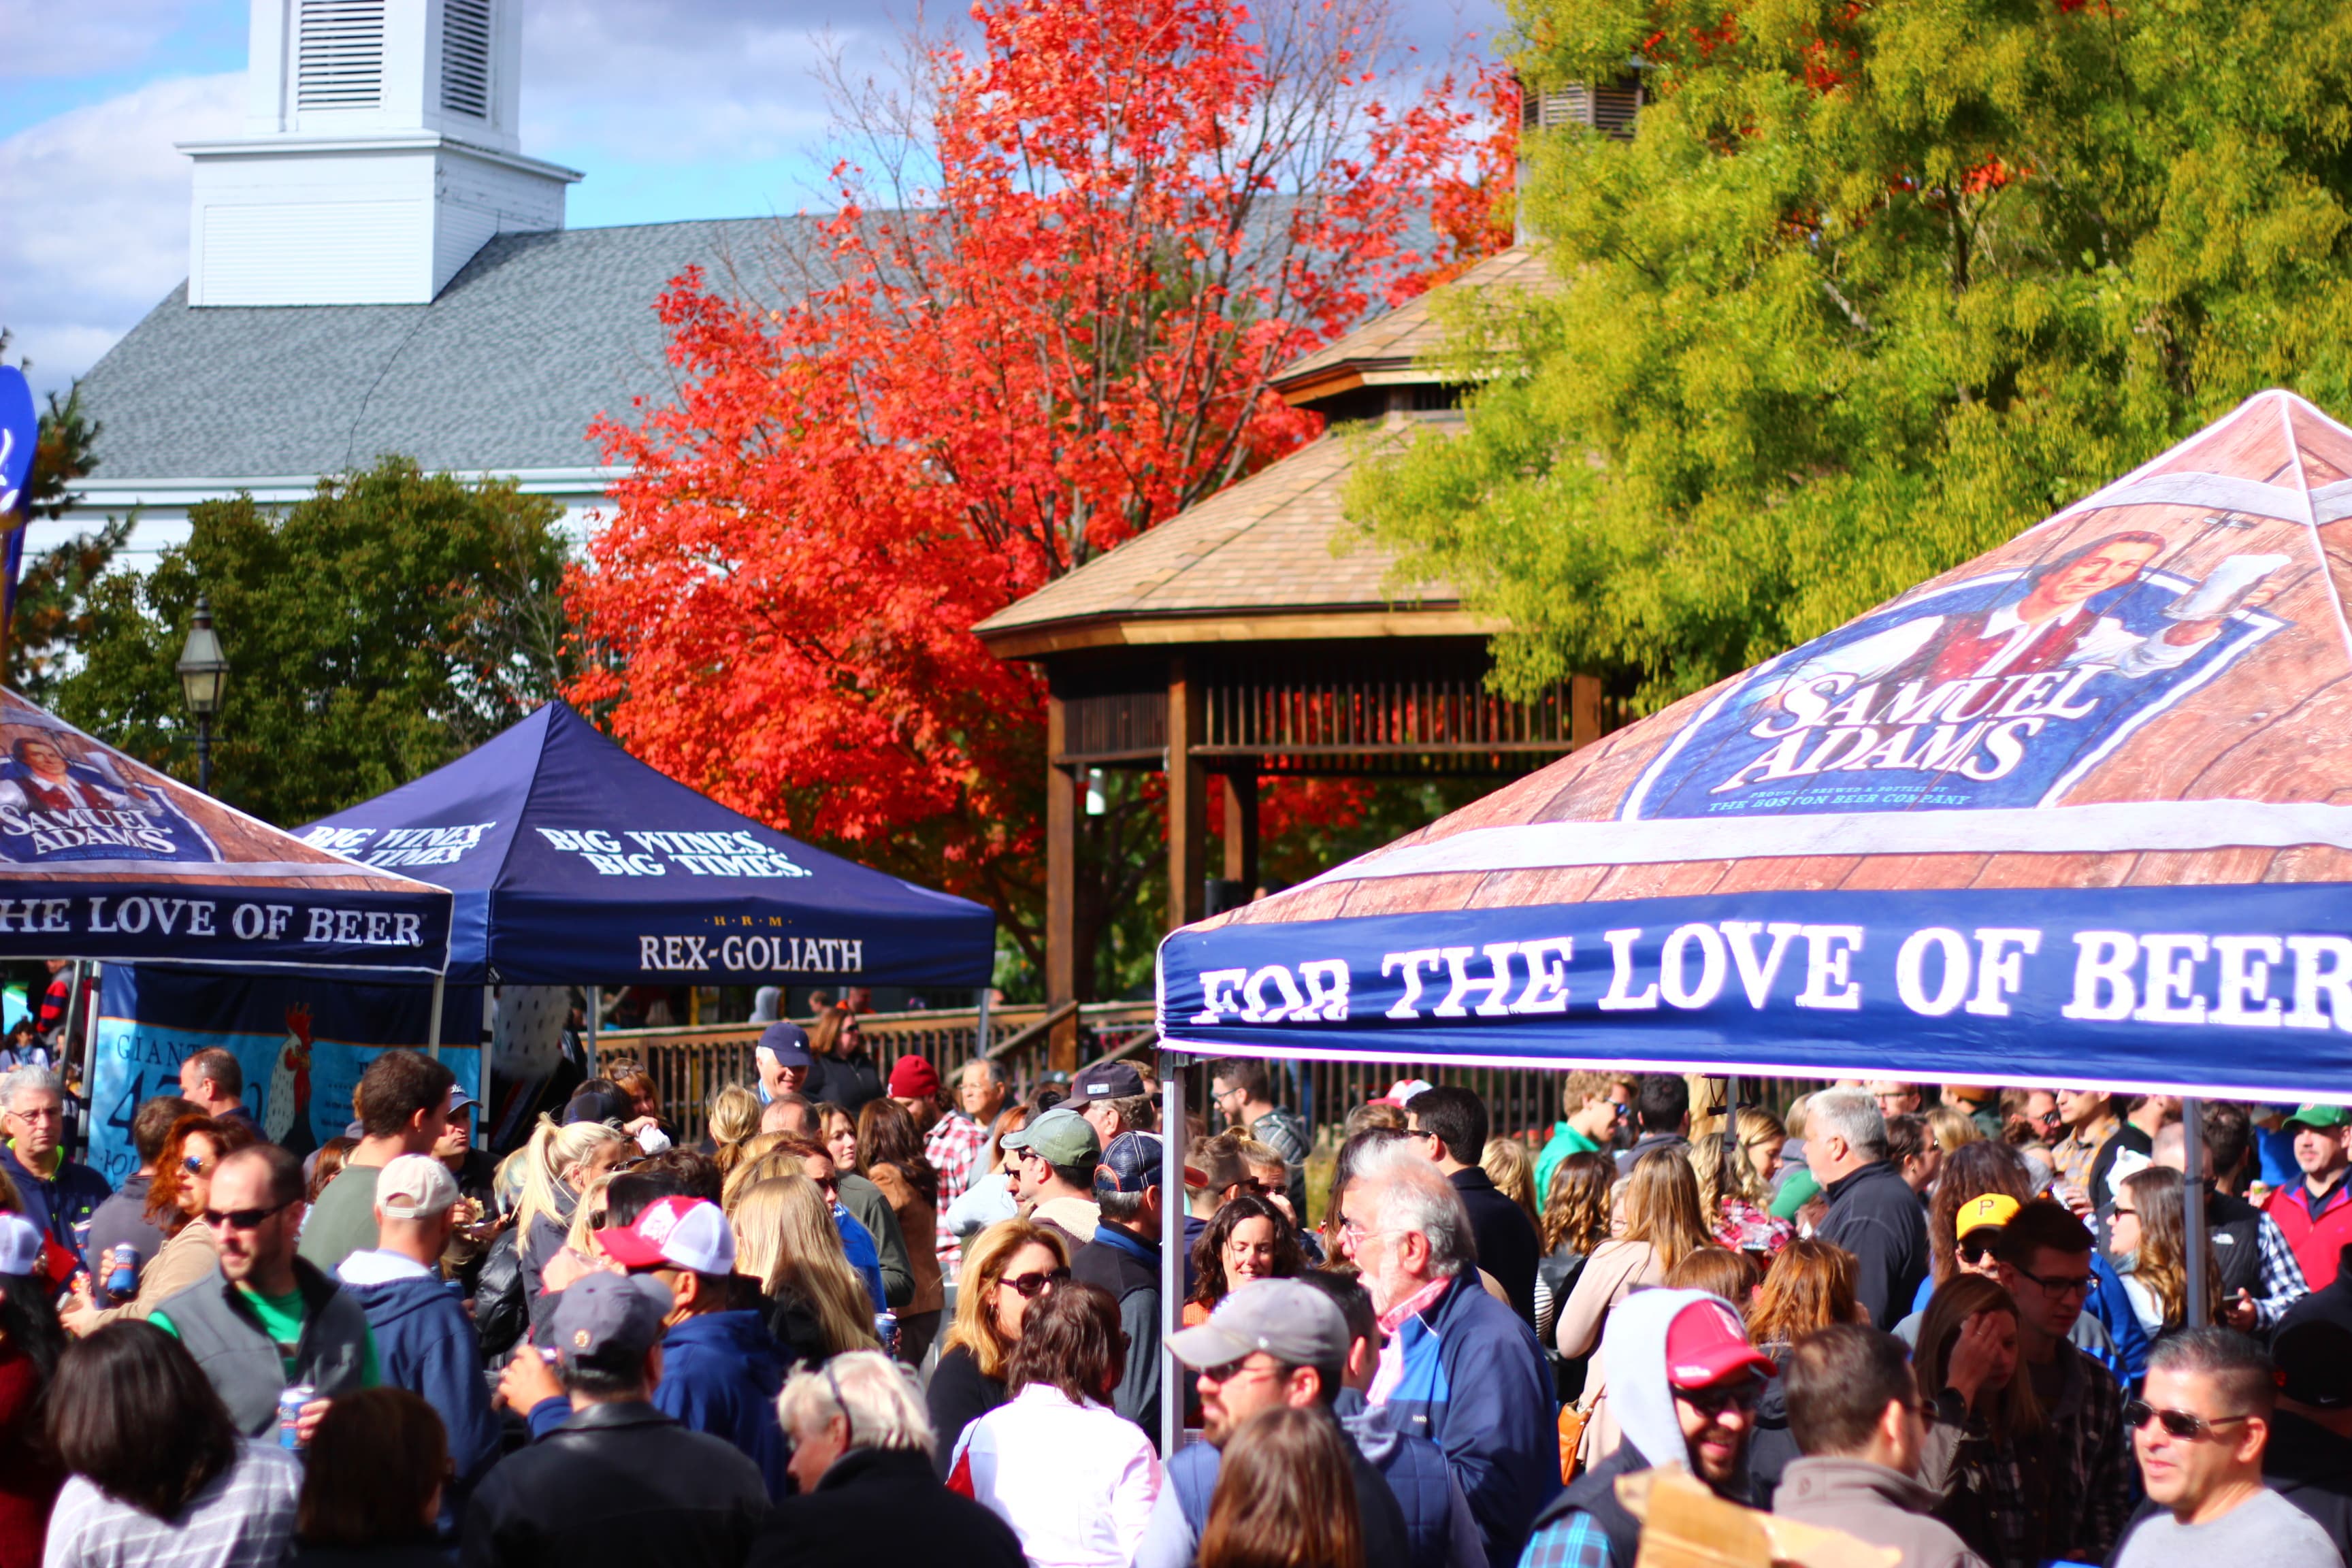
(1684, 1382)
(2198, 1434)
(267, 1320)
(2043, 1258)
(61, 1195)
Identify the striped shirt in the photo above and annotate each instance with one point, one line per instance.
(245, 1519)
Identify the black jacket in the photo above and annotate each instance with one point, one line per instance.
(2311, 1468)
(848, 1081)
(1874, 1214)
(960, 1395)
(619, 1485)
(875, 1506)
(1507, 1244)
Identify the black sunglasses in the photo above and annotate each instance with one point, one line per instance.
(2179, 1423)
(1715, 1400)
(1031, 1286)
(242, 1219)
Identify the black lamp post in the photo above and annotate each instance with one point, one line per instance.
(203, 677)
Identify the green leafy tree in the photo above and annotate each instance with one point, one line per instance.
(1876, 284)
(376, 630)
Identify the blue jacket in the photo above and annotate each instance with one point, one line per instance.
(1476, 1384)
(721, 1375)
(62, 1206)
(864, 1253)
(425, 1344)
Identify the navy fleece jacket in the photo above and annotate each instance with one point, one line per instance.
(425, 1344)
(721, 1375)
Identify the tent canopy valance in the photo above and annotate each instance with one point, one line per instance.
(104, 857)
(2079, 811)
(573, 863)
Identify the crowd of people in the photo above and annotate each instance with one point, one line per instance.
(876, 1315)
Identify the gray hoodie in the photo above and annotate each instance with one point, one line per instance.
(1872, 1503)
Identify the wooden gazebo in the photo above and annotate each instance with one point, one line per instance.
(1252, 637)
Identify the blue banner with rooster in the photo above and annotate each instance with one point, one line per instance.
(302, 1041)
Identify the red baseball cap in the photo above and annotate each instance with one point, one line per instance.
(1705, 1344)
(674, 1232)
(912, 1078)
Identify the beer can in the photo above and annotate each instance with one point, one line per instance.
(885, 1329)
(123, 1277)
(289, 1412)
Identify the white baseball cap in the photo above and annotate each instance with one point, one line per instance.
(414, 1187)
(685, 1233)
(20, 1245)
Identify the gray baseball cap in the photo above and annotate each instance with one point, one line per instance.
(610, 1319)
(1297, 1324)
(1061, 1136)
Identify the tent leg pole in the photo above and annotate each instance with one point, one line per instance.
(980, 1040)
(433, 1025)
(2196, 1310)
(596, 1007)
(1171, 1250)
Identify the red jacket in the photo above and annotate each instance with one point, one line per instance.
(2317, 1237)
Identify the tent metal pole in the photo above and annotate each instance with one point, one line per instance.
(595, 1007)
(87, 1131)
(2195, 1310)
(980, 1040)
(1172, 1249)
(433, 1025)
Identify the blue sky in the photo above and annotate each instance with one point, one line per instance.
(674, 108)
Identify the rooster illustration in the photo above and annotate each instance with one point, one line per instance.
(288, 1118)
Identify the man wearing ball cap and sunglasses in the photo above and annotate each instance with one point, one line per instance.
(1270, 1342)
(1684, 1382)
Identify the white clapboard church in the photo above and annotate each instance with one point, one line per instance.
(375, 266)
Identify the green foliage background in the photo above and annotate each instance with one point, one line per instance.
(1874, 287)
(380, 628)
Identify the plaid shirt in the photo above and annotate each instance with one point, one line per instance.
(1574, 1540)
(953, 1149)
(2093, 1480)
(2074, 1155)
(2282, 1279)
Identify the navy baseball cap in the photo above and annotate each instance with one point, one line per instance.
(786, 1045)
(1108, 1081)
(610, 1321)
(1131, 1165)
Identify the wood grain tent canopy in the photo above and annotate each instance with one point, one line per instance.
(1249, 637)
(2077, 812)
(104, 857)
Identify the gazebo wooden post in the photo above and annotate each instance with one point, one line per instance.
(1188, 796)
(1060, 886)
(1241, 828)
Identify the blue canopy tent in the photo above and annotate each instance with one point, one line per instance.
(573, 863)
(2074, 814)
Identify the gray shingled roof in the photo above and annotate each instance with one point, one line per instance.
(538, 334)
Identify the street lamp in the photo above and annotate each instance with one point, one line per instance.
(204, 677)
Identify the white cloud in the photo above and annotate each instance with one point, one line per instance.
(99, 228)
(46, 38)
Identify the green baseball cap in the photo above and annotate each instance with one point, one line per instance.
(1061, 1137)
(2320, 1116)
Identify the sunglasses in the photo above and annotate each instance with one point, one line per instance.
(2178, 1423)
(1233, 1369)
(242, 1219)
(1975, 1250)
(1741, 1395)
(193, 1165)
(1031, 1286)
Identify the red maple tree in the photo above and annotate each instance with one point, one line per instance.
(1129, 214)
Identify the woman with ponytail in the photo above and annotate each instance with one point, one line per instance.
(559, 1165)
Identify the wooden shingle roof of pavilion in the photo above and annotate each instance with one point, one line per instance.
(1273, 557)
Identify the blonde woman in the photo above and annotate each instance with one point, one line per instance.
(817, 1306)
(1510, 1164)
(734, 1122)
(559, 1165)
(1732, 1197)
(1012, 1264)
(1662, 1224)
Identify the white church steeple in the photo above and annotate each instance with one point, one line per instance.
(380, 152)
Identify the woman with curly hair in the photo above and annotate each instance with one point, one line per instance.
(176, 1200)
(1250, 1239)
(1809, 1286)
(1732, 1196)
(1575, 1223)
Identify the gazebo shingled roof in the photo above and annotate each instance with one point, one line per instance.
(1253, 635)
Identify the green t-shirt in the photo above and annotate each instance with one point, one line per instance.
(1795, 1192)
(1565, 1140)
(343, 1219)
(281, 1320)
